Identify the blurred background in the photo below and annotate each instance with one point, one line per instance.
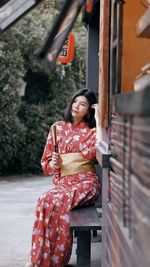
(30, 99)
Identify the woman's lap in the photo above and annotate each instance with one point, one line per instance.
(52, 239)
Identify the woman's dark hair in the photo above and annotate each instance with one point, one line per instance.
(91, 98)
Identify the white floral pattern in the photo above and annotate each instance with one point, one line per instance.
(51, 238)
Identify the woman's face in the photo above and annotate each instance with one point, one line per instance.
(80, 108)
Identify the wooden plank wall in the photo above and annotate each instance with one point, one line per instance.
(128, 213)
(126, 189)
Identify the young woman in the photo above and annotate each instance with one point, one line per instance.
(74, 177)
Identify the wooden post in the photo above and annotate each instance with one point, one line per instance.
(104, 61)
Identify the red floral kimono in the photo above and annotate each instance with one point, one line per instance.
(52, 237)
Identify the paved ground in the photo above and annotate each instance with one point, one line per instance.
(18, 197)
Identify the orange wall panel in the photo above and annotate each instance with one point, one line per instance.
(135, 50)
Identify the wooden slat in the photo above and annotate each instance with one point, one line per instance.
(128, 213)
(122, 243)
(117, 167)
(137, 103)
(141, 196)
(85, 218)
(140, 233)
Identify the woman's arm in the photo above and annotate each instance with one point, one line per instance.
(99, 133)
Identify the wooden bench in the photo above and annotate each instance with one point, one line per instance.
(84, 220)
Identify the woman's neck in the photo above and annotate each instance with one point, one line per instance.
(77, 121)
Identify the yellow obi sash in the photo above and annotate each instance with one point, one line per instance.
(73, 163)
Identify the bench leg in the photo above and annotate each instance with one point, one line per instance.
(84, 248)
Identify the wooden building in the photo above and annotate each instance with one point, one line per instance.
(124, 101)
(118, 71)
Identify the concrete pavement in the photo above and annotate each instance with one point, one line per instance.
(18, 198)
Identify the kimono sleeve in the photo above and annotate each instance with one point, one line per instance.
(47, 154)
(89, 146)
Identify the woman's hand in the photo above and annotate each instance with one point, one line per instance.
(97, 117)
(56, 161)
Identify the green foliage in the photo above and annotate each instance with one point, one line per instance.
(12, 132)
(36, 121)
(25, 121)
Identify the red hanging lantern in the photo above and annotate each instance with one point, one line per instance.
(89, 6)
(66, 54)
